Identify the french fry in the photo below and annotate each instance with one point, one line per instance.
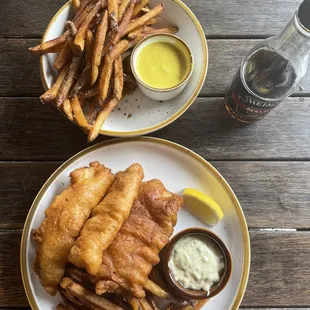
(145, 304)
(102, 116)
(71, 28)
(70, 38)
(80, 36)
(200, 304)
(90, 93)
(141, 21)
(49, 46)
(87, 297)
(135, 41)
(68, 80)
(118, 49)
(105, 78)
(84, 6)
(139, 6)
(153, 21)
(125, 21)
(156, 289)
(51, 94)
(134, 34)
(113, 12)
(67, 109)
(82, 81)
(169, 30)
(89, 46)
(91, 112)
(76, 4)
(98, 47)
(134, 303)
(78, 112)
(122, 8)
(118, 78)
(152, 303)
(63, 57)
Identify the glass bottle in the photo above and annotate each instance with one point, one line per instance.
(271, 71)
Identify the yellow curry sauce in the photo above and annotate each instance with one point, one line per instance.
(163, 64)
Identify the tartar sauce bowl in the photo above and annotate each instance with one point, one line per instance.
(162, 93)
(225, 272)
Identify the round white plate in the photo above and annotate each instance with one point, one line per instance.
(177, 167)
(137, 114)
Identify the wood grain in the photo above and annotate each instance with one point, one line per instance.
(275, 280)
(32, 131)
(224, 18)
(272, 194)
(20, 75)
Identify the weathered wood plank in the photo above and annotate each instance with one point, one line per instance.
(219, 18)
(279, 276)
(20, 74)
(19, 69)
(272, 194)
(30, 131)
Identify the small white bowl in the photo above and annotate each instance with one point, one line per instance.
(160, 93)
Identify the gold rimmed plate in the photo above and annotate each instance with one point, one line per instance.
(137, 114)
(178, 168)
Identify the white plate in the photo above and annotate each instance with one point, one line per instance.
(177, 167)
(137, 114)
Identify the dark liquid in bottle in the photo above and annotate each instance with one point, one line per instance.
(269, 75)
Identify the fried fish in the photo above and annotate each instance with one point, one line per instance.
(128, 261)
(64, 220)
(107, 219)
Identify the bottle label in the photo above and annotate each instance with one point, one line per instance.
(243, 105)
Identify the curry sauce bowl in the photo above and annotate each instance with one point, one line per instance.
(224, 274)
(162, 64)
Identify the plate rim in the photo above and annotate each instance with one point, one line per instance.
(246, 239)
(175, 116)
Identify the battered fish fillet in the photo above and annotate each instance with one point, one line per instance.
(128, 261)
(107, 219)
(64, 220)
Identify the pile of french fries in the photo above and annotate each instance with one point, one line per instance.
(91, 51)
(78, 292)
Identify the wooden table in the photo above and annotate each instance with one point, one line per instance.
(267, 164)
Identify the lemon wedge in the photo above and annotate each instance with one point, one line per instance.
(202, 206)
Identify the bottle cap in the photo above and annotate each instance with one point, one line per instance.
(304, 14)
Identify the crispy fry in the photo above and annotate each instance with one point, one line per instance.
(68, 80)
(134, 34)
(113, 12)
(139, 6)
(170, 30)
(145, 10)
(153, 21)
(87, 297)
(156, 289)
(118, 78)
(134, 303)
(122, 8)
(99, 43)
(71, 28)
(78, 112)
(105, 78)
(81, 81)
(152, 303)
(80, 36)
(91, 112)
(89, 46)
(49, 46)
(125, 22)
(90, 93)
(200, 304)
(76, 4)
(102, 116)
(145, 304)
(51, 94)
(118, 49)
(63, 57)
(138, 22)
(84, 6)
(68, 109)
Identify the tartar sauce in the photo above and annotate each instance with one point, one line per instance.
(196, 262)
